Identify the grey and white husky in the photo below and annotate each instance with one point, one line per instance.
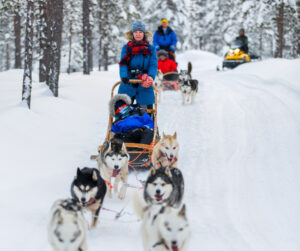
(159, 84)
(164, 186)
(164, 228)
(113, 163)
(67, 228)
(189, 88)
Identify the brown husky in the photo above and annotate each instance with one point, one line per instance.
(165, 152)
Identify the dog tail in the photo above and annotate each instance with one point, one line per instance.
(189, 67)
(139, 204)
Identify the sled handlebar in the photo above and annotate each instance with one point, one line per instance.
(134, 81)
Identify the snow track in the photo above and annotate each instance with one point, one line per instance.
(239, 153)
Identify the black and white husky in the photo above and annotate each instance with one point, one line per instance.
(164, 186)
(185, 74)
(189, 88)
(113, 163)
(164, 228)
(67, 228)
(88, 190)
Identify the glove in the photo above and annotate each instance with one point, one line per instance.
(157, 47)
(172, 47)
(147, 81)
(125, 80)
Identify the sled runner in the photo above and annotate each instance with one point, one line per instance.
(170, 81)
(140, 154)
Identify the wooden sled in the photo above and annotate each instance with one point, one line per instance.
(140, 154)
(170, 81)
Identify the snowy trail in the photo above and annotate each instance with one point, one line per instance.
(239, 153)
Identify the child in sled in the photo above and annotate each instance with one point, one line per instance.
(132, 124)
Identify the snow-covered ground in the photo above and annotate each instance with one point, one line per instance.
(240, 156)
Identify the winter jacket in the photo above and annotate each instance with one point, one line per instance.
(244, 40)
(166, 41)
(147, 63)
(167, 65)
(133, 122)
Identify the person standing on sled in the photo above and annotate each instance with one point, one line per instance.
(138, 61)
(165, 38)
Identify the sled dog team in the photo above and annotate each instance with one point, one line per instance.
(187, 85)
(164, 222)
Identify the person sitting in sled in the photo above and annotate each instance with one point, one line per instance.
(138, 61)
(244, 39)
(165, 64)
(165, 38)
(132, 123)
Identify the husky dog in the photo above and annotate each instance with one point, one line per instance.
(88, 190)
(159, 84)
(164, 228)
(189, 88)
(164, 186)
(113, 163)
(67, 228)
(165, 152)
(185, 74)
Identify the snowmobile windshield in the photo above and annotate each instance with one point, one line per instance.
(236, 44)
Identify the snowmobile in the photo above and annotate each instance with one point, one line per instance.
(235, 56)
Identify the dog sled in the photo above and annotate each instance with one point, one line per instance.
(170, 81)
(140, 154)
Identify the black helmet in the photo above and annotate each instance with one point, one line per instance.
(242, 30)
(162, 52)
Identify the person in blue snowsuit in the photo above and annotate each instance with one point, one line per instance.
(138, 61)
(132, 124)
(165, 38)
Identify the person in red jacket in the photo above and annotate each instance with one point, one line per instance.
(164, 63)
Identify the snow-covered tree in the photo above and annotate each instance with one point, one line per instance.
(27, 78)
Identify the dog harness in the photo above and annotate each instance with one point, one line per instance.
(162, 242)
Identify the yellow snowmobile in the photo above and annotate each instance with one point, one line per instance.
(235, 56)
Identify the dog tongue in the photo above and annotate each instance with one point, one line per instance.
(91, 201)
(158, 197)
(115, 173)
(174, 248)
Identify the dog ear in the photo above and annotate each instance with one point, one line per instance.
(175, 135)
(182, 211)
(124, 149)
(152, 171)
(168, 171)
(95, 177)
(78, 172)
(164, 135)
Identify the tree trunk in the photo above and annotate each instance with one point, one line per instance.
(105, 55)
(70, 49)
(27, 78)
(7, 56)
(100, 49)
(280, 30)
(55, 45)
(298, 30)
(43, 35)
(17, 27)
(86, 36)
(91, 51)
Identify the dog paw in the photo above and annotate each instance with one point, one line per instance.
(122, 194)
